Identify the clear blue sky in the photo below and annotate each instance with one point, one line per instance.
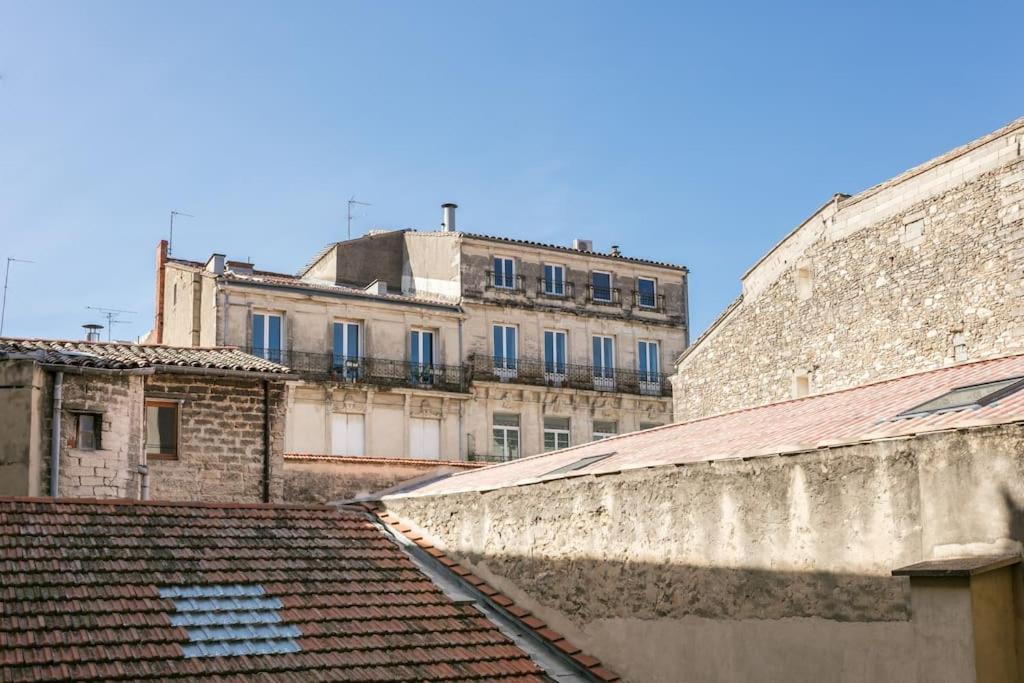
(699, 135)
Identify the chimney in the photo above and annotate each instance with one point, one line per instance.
(615, 250)
(448, 217)
(92, 332)
(215, 264)
(583, 245)
(377, 287)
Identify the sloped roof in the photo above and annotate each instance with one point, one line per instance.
(864, 413)
(558, 247)
(128, 356)
(101, 590)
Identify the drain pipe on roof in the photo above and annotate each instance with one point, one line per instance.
(465, 383)
(55, 419)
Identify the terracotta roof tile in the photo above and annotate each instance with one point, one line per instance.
(80, 585)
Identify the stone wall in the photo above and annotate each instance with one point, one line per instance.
(768, 569)
(220, 456)
(323, 479)
(22, 391)
(923, 271)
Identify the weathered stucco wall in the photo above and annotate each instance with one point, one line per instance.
(22, 391)
(919, 273)
(771, 569)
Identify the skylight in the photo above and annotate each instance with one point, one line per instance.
(230, 620)
(972, 396)
(578, 464)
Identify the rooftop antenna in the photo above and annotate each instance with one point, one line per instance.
(111, 315)
(170, 240)
(7, 272)
(352, 202)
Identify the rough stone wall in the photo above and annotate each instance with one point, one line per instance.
(771, 569)
(22, 388)
(220, 449)
(323, 479)
(940, 280)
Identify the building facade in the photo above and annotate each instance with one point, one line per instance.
(116, 420)
(921, 271)
(445, 345)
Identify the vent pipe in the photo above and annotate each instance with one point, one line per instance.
(615, 250)
(92, 332)
(448, 217)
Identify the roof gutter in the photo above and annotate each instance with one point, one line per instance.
(554, 662)
(171, 370)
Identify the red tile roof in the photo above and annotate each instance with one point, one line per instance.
(80, 586)
(863, 413)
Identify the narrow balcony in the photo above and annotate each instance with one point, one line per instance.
(604, 296)
(645, 301)
(568, 375)
(504, 282)
(362, 370)
(563, 290)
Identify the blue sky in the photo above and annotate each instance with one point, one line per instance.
(697, 134)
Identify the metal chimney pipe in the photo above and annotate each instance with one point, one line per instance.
(448, 217)
(92, 332)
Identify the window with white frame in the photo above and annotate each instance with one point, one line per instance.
(648, 365)
(554, 280)
(647, 292)
(554, 353)
(347, 347)
(504, 272)
(604, 429)
(506, 353)
(603, 350)
(505, 436)
(267, 335)
(556, 433)
(421, 356)
(601, 286)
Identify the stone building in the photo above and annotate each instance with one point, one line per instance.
(868, 534)
(139, 422)
(445, 345)
(921, 271)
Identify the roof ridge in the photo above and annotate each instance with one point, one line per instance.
(130, 502)
(113, 342)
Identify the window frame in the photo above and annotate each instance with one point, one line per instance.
(556, 432)
(654, 293)
(1016, 384)
(505, 430)
(97, 429)
(544, 278)
(504, 363)
(610, 290)
(604, 372)
(554, 368)
(505, 276)
(266, 352)
(594, 434)
(163, 403)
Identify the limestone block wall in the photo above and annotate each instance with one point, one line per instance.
(924, 271)
(22, 392)
(771, 569)
(220, 456)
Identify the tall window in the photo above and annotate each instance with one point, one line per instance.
(266, 336)
(648, 366)
(161, 429)
(346, 348)
(505, 436)
(554, 352)
(554, 280)
(505, 349)
(647, 292)
(504, 272)
(556, 433)
(603, 362)
(87, 431)
(421, 356)
(601, 286)
(604, 428)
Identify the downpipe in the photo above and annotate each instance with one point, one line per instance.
(55, 420)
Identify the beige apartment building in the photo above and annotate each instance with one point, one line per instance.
(445, 345)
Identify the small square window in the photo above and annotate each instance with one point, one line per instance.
(604, 429)
(87, 431)
(162, 429)
(972, 396)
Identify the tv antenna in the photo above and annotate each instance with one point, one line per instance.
(352, 202)
(111, 315)
(7, 273)
(170, 239)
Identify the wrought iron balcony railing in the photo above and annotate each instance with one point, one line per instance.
(378, 371)
(569, 375)
(649, 302)
(606, 296)
(556, 289)
(504, 282)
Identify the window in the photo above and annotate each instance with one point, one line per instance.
(162, 429)
(603, 362)
(421, 356)
(601, 286)
(648, 365)
(603, 429)
(346, 349)
(646, 292)
(505, 436)
(266, 336)
(505, 350)
(87, 431)
(347, 434)
(425, 438)
(554, 280)
(649, 425)
(972, 396)
(556, 433)
(554, 354)
(504, 272)
(579, 464)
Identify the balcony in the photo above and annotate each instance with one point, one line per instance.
(604, 296)
(568, 375)
(375, 371)
(549, 289)
(499, 282)
(654, 303)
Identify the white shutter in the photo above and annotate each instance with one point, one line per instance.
(347, 434)
(425, 438)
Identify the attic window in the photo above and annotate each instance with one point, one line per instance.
(972, 396)
(230, 620)
(578, 464)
